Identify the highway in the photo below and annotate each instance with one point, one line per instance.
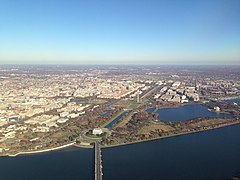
(98, 162)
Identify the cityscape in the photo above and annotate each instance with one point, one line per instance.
(43, 110)
(112, 90)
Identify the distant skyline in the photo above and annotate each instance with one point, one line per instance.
(120, 32)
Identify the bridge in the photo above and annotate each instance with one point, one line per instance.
(98, 162)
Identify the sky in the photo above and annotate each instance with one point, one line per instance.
(119, 32)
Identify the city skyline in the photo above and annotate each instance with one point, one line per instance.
(126, 32)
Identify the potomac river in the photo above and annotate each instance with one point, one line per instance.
(213, 154)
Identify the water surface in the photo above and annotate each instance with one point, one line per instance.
(236, 100)
(117, 119)
(70, 164)
(187, 112)
(106, 113)
(213, 154)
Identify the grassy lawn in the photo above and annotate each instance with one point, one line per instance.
(152, 127)
(209, 122)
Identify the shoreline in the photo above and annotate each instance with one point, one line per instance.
(115, 145)
(174, 135)
(40, 151)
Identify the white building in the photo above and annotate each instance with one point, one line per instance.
(41, 129)
(73, 115)
(217, 109)
(62, 120)
(64, 114)
(97, 131)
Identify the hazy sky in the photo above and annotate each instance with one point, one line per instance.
(120, 31)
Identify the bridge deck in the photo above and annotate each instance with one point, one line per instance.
(98, 162)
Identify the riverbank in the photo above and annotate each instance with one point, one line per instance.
(175, 105)
(116, 145)
(41, 151)
(169, 136)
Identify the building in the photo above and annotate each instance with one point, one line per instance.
(64, 114)
(62, 120)
(13, 118)
(97, 131)
(73, 115)
(217, 109)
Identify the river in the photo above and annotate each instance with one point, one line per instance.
(213, 154)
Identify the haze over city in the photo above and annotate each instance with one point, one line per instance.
(120, 32)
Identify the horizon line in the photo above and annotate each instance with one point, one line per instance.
(116, 64)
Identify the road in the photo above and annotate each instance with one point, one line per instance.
(98, 162)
